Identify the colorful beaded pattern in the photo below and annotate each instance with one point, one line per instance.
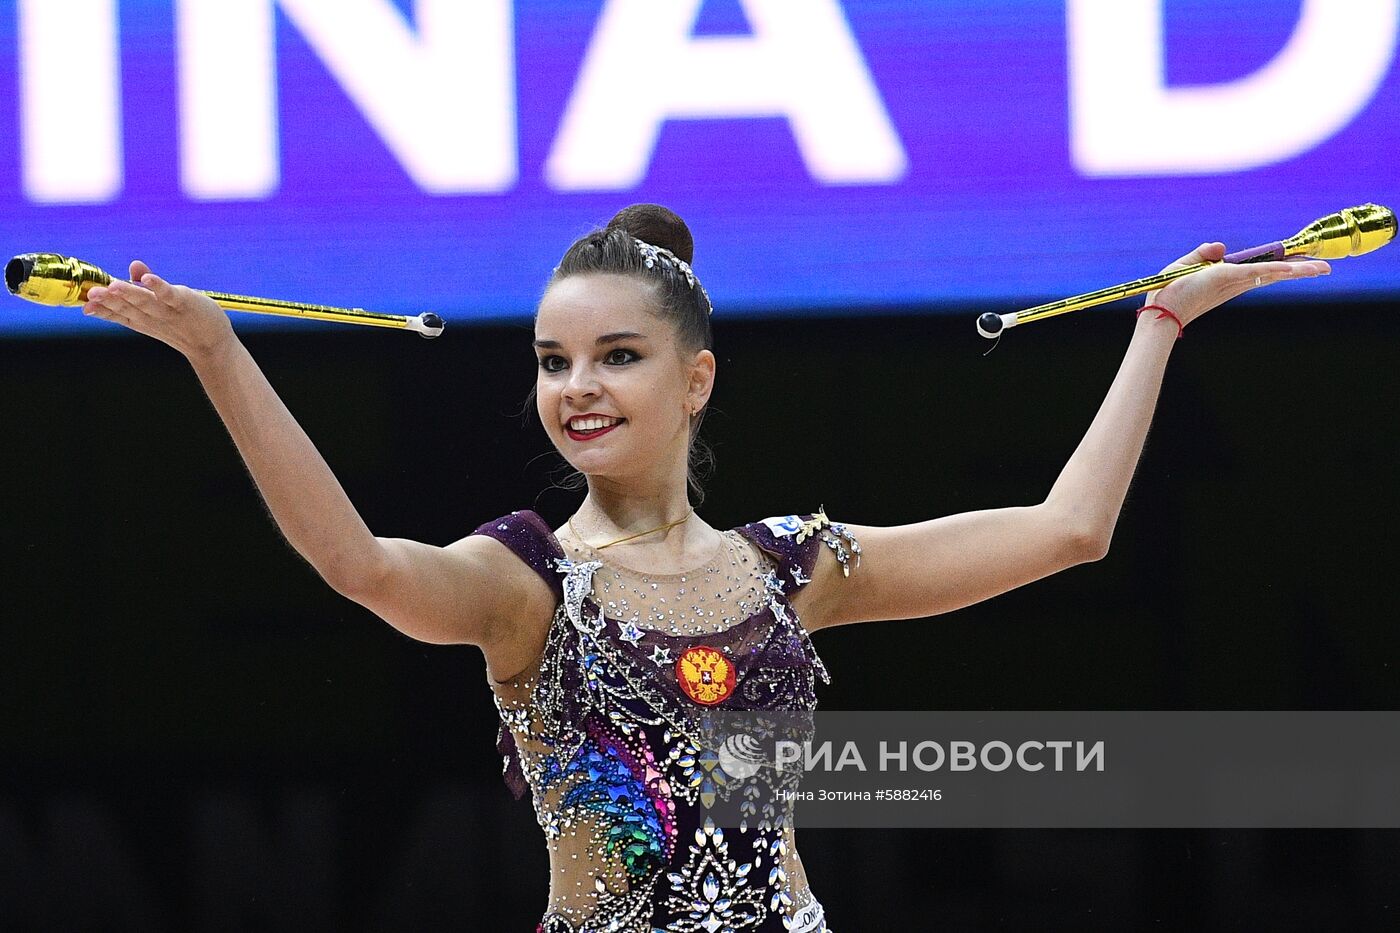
(605, 730)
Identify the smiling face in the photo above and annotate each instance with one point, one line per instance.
(614, 390)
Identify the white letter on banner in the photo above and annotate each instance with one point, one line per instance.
(70, 101)
(1021, 756)
(1125, 121)
(787, 753)
(851, 757)
(801, 62)
(443, 99)
(919, 756)
(1006, 756)
(444, 102)
(228, 125)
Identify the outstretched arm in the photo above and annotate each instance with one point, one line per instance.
(936, 566)
(462, 593)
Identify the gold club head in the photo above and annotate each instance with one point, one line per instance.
(51, 279)
(1349, 232)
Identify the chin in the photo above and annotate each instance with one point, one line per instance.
(593, 463)
(610, 465)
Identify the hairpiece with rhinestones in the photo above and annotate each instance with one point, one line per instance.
(653, 254)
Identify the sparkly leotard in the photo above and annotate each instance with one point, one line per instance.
(601, 728)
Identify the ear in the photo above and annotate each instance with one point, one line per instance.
(701, 380)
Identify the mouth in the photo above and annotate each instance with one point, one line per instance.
(588, 427)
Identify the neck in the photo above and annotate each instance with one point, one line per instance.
(619, 505)
(610, 507)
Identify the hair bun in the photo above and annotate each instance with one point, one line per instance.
(657, 225)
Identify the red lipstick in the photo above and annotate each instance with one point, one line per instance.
(589, 435)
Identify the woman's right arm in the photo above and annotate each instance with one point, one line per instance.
(471, 591)
(442, 595)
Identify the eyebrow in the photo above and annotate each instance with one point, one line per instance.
(606, 338)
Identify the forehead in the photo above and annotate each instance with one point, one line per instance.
(583, 306)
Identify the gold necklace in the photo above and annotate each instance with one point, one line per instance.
(599, 547)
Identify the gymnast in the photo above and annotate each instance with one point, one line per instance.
(606, 638)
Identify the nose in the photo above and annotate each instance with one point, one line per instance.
(582, 383)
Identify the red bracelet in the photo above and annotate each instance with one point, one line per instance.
(1166, 312)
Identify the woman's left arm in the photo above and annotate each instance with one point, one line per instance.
(936, 566)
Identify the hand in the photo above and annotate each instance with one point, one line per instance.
(177, 316)
(1193, 295)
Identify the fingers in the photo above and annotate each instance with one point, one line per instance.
(142, 275)
(1206, 252)
(99, 305)
(1209, 252)
(95, 308)
(155, 283)
(1193, 295)
(120, 299)
(1258, 275)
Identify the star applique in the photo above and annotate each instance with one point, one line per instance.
(779, 611)
(773, 583)
(660, 656)
(799, 577)
(629, 632)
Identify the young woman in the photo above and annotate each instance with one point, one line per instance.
(606, 639)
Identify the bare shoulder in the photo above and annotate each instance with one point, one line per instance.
(475, 590)
(523, 607)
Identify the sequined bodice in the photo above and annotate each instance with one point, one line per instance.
(724, 591)
(605, 729)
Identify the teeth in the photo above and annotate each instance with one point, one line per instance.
(592, 424)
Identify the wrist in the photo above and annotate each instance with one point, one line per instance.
(213, 355)
(1163, 313)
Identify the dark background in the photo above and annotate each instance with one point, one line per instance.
(198, 734)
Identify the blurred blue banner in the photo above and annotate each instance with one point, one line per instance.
(828, 154)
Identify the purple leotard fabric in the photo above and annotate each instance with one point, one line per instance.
(530, 538)
(601, 748)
